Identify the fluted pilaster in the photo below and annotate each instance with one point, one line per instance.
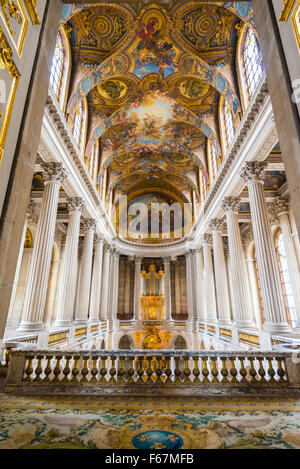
(86, 271)
(137, 288)
(280, 207)
(220, 272)
(96, 280)
(105, 283)
(199, 285)
(210, 294)
(167, 277)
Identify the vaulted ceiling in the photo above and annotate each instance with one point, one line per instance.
(153, 78)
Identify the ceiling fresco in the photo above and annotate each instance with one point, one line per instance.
(153, 76)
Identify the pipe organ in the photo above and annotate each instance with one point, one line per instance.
(152, 294)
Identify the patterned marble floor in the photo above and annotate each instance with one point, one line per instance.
(118, 423)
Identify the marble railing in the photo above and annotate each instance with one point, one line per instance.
(43, 371)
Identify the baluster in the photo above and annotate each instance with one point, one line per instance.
(159, 370)
(224, 371)
(57, 370)
(66, 371)
(112, 370)
(233, 370)
(205, 370)
(121, 372)
(243, 371)
(280, 370)
(130, 371)
(186, 371)
(140, 370)
(271, 371)
(39, 369)
(196, 371)
(84, 371)
(48, 369)
(75, 370)
(261, 371)
(29, 368)
(168, 371)
(215, 371)
(94, 370)
(103, 370)
(252, 372)
(149, 370)
(177, 371)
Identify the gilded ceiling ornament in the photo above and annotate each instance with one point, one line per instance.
(6, 61)
(287, 8)
(11, 10)
(31, 7)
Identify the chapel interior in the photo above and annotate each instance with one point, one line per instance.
(150, 220)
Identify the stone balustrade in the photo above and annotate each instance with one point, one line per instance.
(155, 372)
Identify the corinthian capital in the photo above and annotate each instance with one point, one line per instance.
(230, 204)
(89, 224)
(207, 239)
(75, 203)
(253, 171)
(279, 206)
(216, 224)
(53, 173)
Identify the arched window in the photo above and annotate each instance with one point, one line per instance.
(285, 279)
(252, 62)
(78, 123)
(57, 68)
(125, 343)
(229, 125)
(180, 343)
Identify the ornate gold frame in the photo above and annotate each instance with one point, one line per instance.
(6, 62)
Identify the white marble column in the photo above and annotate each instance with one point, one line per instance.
(86, 272)
(210, 293)
(220, 272)
(116, 285)
(271, 290)
(96, 280)
(280, 207)
(127, 288)
(199, 285)
(190, 291)
(69, 267)
(137, 288)
(105, 283)
(39, 270)
(110, 299)
(167, 276)
(239, 277)
(177, 288)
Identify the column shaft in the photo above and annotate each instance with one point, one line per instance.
(96, 281)
(86, 272)
(220, 273)
(167, 277)
(210, 294)
(239, 277)
(69, 266)
(271, 290)
(39, 270)
(137, 288)
(105, 283)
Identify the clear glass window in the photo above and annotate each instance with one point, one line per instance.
(57, 68)
(253, 62)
